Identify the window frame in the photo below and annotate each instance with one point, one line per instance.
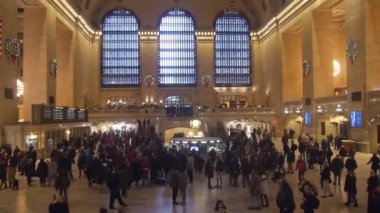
(177, 75)
(102, 85)
(250, 52)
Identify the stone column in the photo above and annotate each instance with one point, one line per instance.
(39, 49)
(356, 71)
(308, 81)
(8, 70)
(65, 72)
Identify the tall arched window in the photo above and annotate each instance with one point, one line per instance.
(232, 49)
(120, 50)
(177, 50)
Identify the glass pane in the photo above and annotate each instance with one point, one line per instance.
(120, 50)
(232, 50)
(177, 50)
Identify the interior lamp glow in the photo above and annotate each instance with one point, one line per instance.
(20, 88)
(195, 124)
(336, 68)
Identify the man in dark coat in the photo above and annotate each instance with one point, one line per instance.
(42, 171)
(285, 199)
(336, 168)
(174, 184)
(350, 188)
(374, 201)
(375, 162)
(372, 183)
(245, 170)
(350, 164)
(114, 186)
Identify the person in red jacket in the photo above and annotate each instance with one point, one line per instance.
(145, 170)
(301, 168)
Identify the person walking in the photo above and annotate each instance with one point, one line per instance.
(255, 191)
(42, 171)
(245, 170)
(58, 205)
(372, 183)
(182, 186)
(52, 172)
(285, 199)
(374, 201)
(81, 163)
(190, 167)
(343, 153)
(219, 169)
(114, 187)
(264, 190)
(336, 168)
(375, 162)
(301, 168)
(3, 174)
(29, 170)
(350, 164)
(310, 201)
(290, 158)
(209, 172)
(11, 171)
(325, 181)
(174, 184)
(350, 189)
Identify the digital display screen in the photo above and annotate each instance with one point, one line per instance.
(194, 148)
(52, 114)
(307, 118)
(71, 114)
(356, 119)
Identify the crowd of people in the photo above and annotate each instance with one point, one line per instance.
(121, 160)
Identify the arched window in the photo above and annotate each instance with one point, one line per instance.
(232, 49)
(120, 50)
(177, 50)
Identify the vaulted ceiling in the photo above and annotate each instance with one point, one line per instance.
(259, 11)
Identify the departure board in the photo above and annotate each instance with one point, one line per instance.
(42, 114)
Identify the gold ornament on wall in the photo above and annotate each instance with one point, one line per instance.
(53, 67)
(306, 67)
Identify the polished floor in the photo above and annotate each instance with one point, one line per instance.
(153, 199)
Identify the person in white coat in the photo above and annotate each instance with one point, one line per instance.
(52, 173)
(264, 190)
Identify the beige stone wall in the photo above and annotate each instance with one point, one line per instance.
(204, 12)
(372, 29)
(8, 70)
(292, 78)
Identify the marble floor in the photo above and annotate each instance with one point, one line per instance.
(158, 198)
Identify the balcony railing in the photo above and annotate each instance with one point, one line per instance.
(161, 112)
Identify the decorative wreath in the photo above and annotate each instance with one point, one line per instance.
(206, 80)
(13, 48)
(149, 80)
(306, 67)
(53, 67)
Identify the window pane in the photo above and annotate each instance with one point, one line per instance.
(177, 50)
(120, 50)
(232, 50)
